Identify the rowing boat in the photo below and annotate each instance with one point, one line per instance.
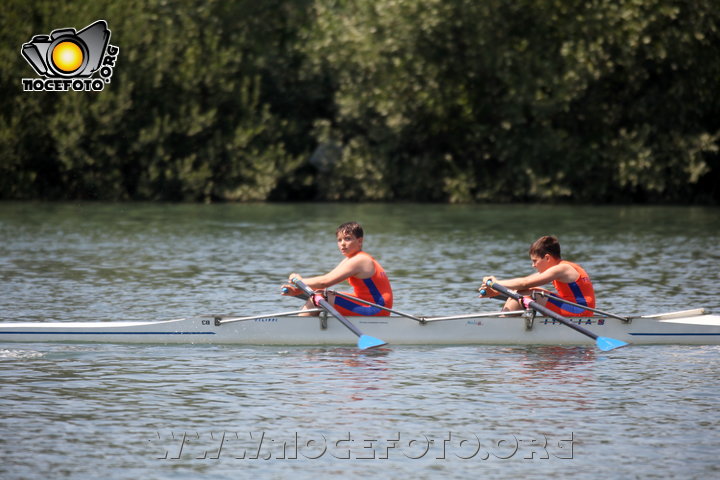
(697, 327)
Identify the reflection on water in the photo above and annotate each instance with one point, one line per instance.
(558, 374)
(127, 406)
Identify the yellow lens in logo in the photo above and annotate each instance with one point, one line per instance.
(67, 56)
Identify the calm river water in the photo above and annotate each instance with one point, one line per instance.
(155, 412)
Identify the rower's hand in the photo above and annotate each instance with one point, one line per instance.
(290, 290)
(485, 291)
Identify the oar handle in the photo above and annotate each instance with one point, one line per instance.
(303, 295)
(499, 288)
(321, 302)
(500, 297)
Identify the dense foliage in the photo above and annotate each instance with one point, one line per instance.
(429, 100)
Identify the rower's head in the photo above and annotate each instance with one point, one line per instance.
(350, 238)
(545, 252)
(350, 228)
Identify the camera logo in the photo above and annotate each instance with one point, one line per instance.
(67, 59)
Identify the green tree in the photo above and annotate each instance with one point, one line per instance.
(432, 100)
(528, 100)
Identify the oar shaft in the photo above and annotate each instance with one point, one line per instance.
(542, 309)
(219, 320)
(607, 314)
(326, 305)
(471, 315)
(549, 313)
(360, 300)
(364, 341)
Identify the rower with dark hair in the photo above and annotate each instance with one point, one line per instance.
(363, 272)
(570, 280)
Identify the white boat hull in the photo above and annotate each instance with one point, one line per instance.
(689, 327)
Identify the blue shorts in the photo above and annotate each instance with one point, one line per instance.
(350, 308)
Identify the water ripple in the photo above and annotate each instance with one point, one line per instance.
(148, 411)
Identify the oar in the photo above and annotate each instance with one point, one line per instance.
(396, 312)
(303, 295)
(603, 343)
(543, 293)
(219, 320)
(364, 341)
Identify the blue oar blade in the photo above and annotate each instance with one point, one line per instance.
(605, 343)
(366, 341)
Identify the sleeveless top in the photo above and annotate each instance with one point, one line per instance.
(580, 291)
(375, 289)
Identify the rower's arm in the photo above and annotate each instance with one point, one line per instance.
(352, 267)
(563, 272)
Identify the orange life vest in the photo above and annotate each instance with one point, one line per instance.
(375, 289)
(580, 291)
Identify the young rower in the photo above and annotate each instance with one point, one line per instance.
(570, 280)
(362, 271)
